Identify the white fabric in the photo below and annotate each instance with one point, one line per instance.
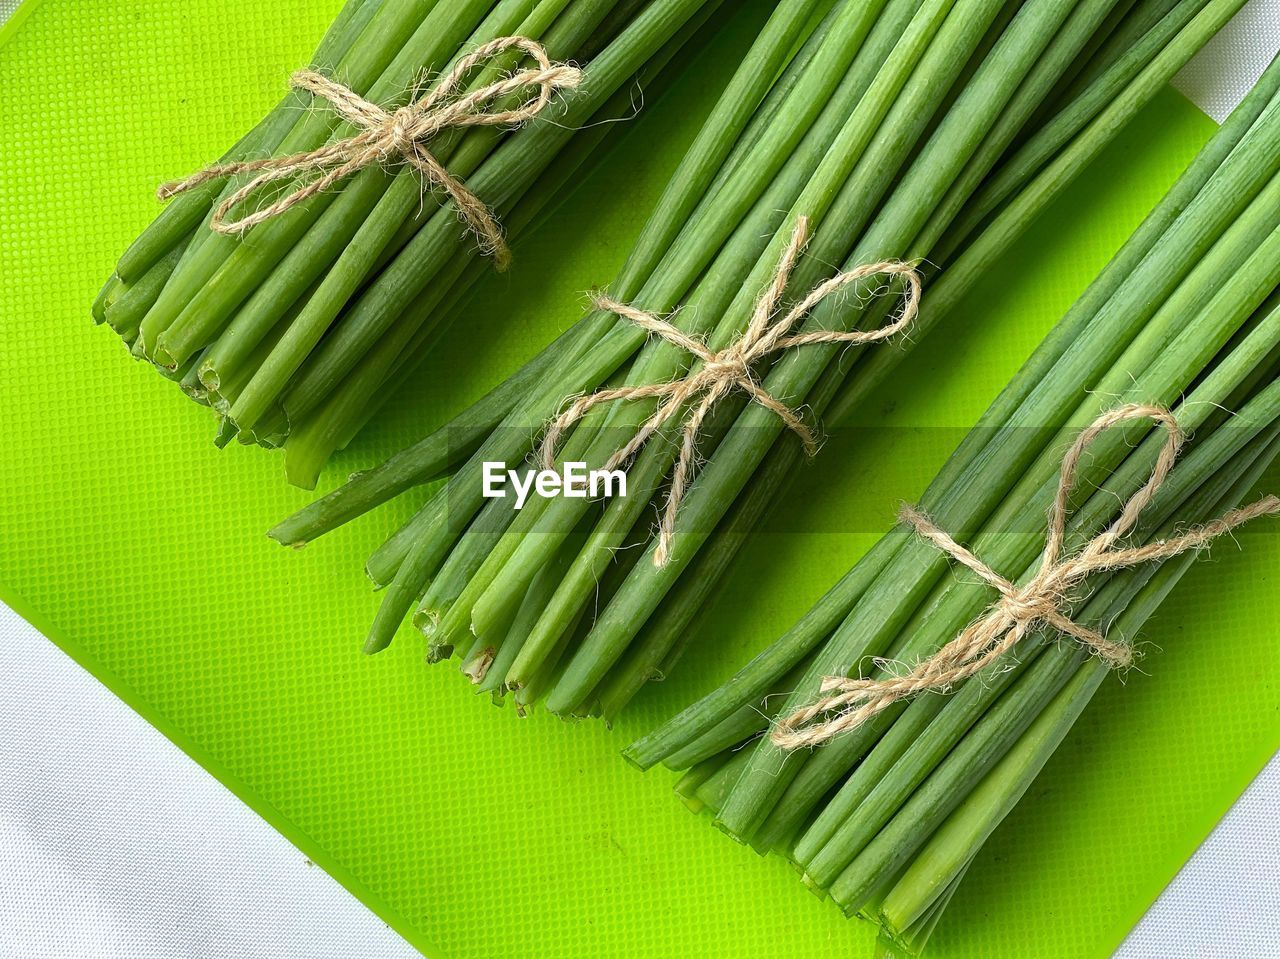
(115, 845)
(1225, 903)
(1218, 77)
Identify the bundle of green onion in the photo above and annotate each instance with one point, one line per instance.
(296, 323)
(902, 130)
(886, 816)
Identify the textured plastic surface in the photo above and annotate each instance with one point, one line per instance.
(138, 546)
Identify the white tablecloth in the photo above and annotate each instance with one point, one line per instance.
(115, 845)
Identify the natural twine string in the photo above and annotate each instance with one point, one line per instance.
(394, 137)
(728, 369)
(847, 702)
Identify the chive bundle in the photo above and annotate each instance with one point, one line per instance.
(903, 129)
(297, 325)
(886, 817)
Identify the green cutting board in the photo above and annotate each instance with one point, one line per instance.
(138, 547)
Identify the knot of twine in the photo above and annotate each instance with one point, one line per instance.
(848, 702)
(728, 369)
(394, 137)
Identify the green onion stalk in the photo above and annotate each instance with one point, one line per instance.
(270, 326)
(885, 817)
(883, 128)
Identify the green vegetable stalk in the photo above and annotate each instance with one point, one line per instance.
(929, 132)
(886, 816)
(283, 313)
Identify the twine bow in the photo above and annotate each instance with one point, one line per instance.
(393, 137)
(728, 369)
(850, 702)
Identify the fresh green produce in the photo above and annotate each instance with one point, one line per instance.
(886, 815)
(282, 325)
(902, 130)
